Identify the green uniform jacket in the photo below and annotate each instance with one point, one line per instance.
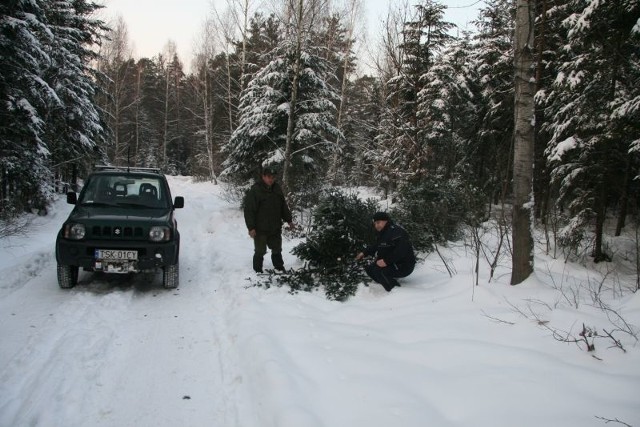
(265, 208)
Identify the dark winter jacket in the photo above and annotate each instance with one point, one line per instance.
(393, 246)
(265, 208)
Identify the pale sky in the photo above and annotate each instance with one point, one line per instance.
(152, 23)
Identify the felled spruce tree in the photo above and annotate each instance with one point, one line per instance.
(341, 227)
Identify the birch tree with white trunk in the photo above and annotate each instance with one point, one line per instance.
(522, 261)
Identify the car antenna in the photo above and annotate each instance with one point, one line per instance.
(128, 159)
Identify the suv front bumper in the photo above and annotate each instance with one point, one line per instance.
(150, 255)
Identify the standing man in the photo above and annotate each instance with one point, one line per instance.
(393, 252)
(265, 209)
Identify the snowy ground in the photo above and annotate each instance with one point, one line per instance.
(122, 351)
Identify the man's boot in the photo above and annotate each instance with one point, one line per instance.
(257, 263)
(378, 275)
(278, 262)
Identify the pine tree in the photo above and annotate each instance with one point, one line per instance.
(264, 37)
(75, 125)
(491, 63)
(337, 41)
(24, 96)
(48, 116)
(445, 109)
(362, 117)
(588, 108)
(149, 111)
(260, 134)
(436, 209)
(264, 113)
(402, 149)
(172, 136)
(548, 43)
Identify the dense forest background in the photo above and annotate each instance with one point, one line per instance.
(433, 120)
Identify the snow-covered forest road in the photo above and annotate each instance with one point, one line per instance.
(123, 351)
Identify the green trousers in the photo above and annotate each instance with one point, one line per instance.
(263, 241)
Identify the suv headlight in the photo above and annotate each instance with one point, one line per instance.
(74, 231)
(159, 234)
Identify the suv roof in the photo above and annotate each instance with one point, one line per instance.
(100, 168)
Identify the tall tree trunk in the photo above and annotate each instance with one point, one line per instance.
(74, 177)
(138, 101)
(208, 126)
(243, 56)
(233, 24)
(207, 47)
(624, 198)
(601, 211)
(116, 127)
(165, 135)
(4, 185)
(522, 261)
(230, 105)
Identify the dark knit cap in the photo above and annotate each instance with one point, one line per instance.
(269, 170)
(381, 216)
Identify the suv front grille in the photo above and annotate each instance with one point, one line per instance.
(117, 231)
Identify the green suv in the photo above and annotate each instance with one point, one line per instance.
(123, 222)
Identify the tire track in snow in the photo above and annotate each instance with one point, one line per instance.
(14, 278)
(213, 227)
(60, 366)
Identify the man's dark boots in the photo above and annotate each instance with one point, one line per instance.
(377, 274)
(278, 262)
(389, 283)
(257, 264)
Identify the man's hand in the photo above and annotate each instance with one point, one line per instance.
(359, 256)
(252, 233)
(380, 263)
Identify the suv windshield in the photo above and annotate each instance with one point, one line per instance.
(124, 190)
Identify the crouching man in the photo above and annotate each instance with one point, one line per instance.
(394, 256)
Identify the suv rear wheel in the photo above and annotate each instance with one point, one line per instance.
(67, 276)
(170, 276)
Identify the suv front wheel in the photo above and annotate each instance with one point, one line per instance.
(170, 276)
(67, 276)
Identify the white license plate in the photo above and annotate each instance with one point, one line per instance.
(116, 255)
